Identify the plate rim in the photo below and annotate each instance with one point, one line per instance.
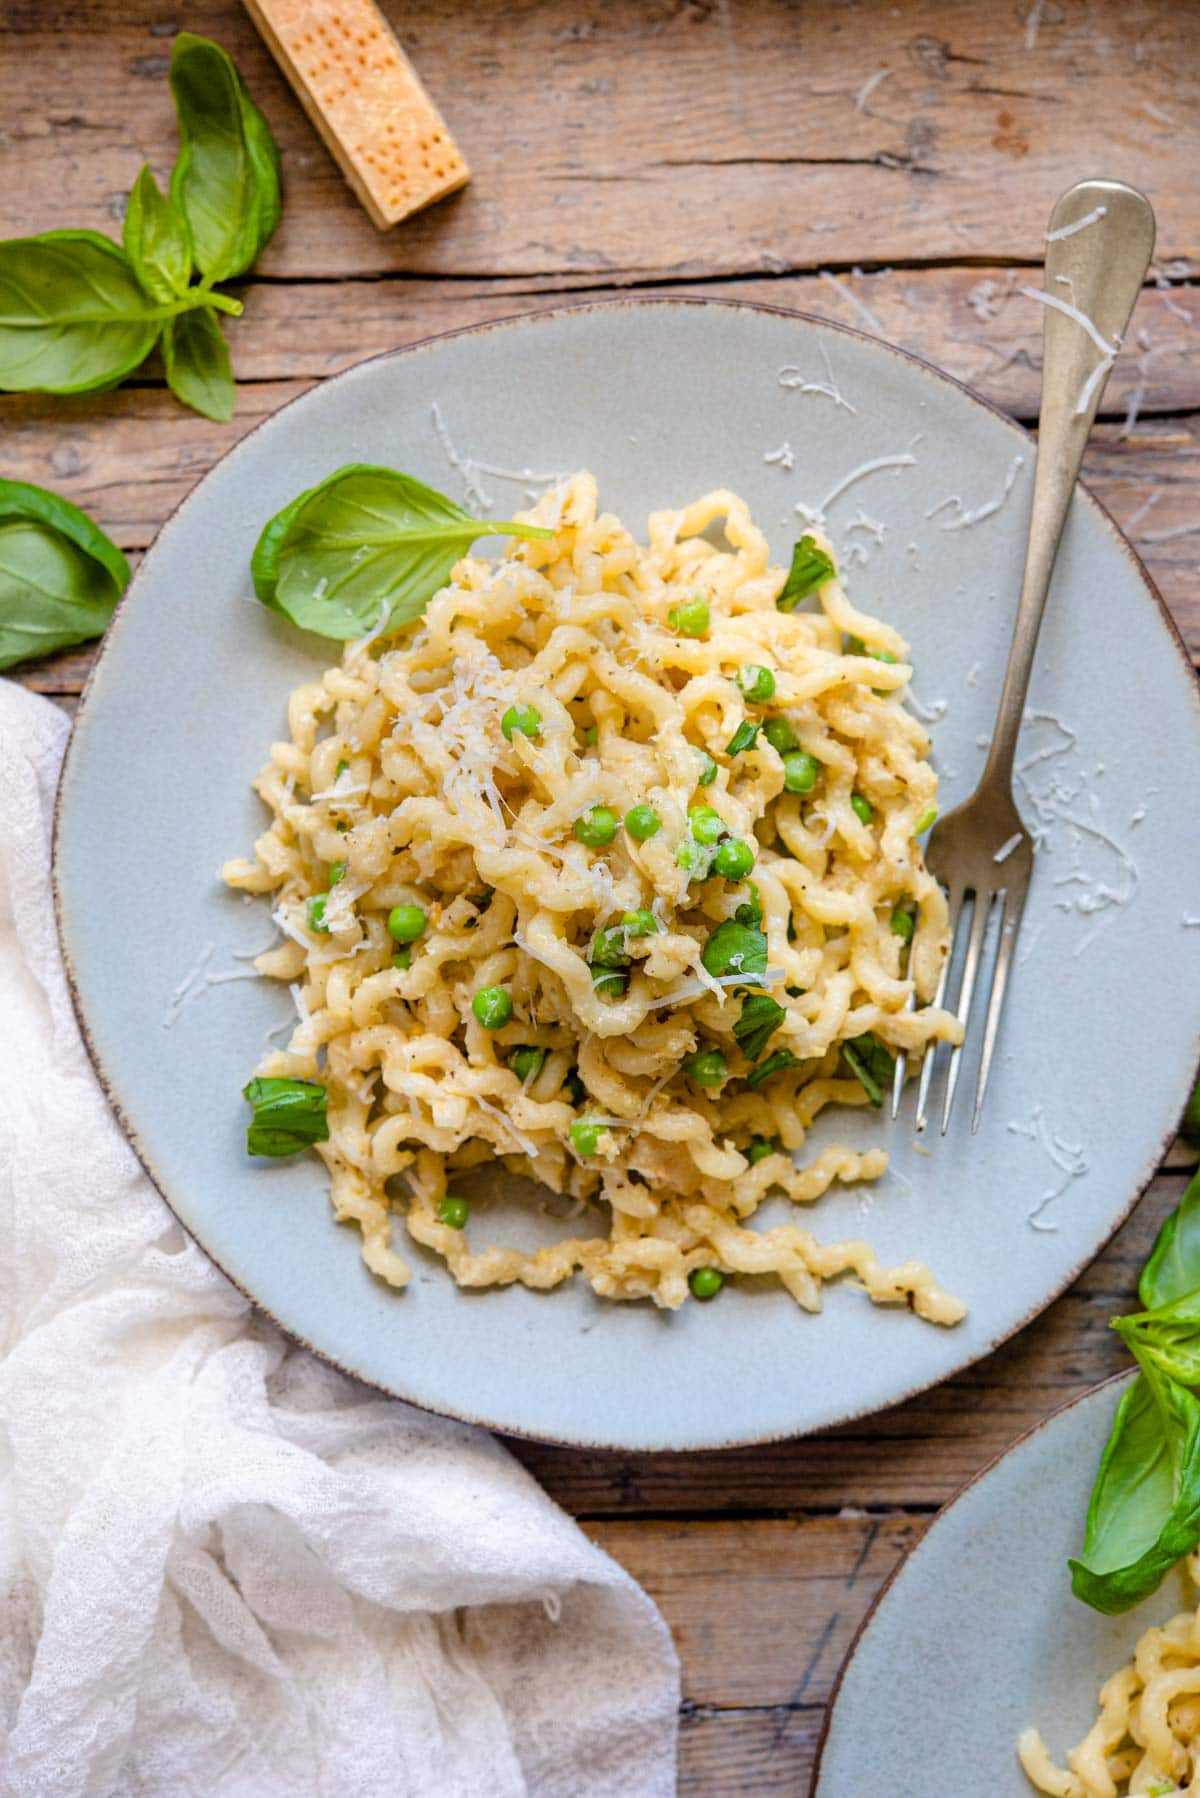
(1122, 1377)
(551, 315)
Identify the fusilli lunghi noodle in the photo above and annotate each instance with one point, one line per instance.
(1147, 1736)
(397, 767)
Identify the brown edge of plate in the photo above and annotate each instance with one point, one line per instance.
(532, 319)
(1034, 1429)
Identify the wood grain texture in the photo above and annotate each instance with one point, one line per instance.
(663, 137)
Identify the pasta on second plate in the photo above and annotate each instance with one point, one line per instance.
(1146, 1739)
(643, 943)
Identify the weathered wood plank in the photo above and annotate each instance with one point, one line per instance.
(639, 139)
(762, 1613)
(726, 1754)
(915, 1455)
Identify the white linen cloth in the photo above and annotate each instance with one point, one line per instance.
(225, 1569)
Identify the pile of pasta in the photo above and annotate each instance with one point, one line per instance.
(1147, 1737)
(397, 766)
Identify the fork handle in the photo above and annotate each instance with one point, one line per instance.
(1099, 269)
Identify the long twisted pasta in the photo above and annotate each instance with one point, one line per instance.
(397, 766)
(1147, 1736)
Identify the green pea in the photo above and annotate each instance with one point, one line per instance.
(926, 821)
(454, 1212)
(527, 1062)
(642, 823)
(779, 735)
(862, 808)
(609, 983)
(493, 1007)
(585, 1136)
(692, 858)
(760, 1148)
(524, 718)
(708, 769)
(402, 959)
(756, 683)
(608, 949)
(316, 914)
(800, 771)
(706, 1282)
(406, 923)
(901, 924)
(706, 825)
(707, 1068)
(691, 619)
(596, 828)
(337, 871)
(591, 735)
(639, 923)
(734, 859)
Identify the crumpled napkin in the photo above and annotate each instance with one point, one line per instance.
(226, 1569)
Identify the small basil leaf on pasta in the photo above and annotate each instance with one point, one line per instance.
(810, 569)
(1144, 1513)
(735, 948)
(1173, 1268)
(871, 1064)
(226, 178)
(776, 1063)
(365, 551)
(73, 316)
(760, 1019)
(744, 737)
(289, 1115)
(196, 359)
(60, 576)
(157, 240)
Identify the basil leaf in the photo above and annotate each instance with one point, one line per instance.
(1144, 1513)
(760, 1019)
(810, 569)
(364, 551)
(226, 179)
(73, 318)
(735, 948)
(743, 737)
(1174, 1265)
(1169, 1336)
(751, 910)
(871, 1064)
(774, 1064)
(60, 576)
(157, 240)
(196, 358)
(289, 1115)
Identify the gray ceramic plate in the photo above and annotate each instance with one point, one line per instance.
(978, 1636)
(663, 401)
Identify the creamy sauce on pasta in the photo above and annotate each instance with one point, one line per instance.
(397, 766)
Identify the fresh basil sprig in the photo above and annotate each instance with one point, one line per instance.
(289, 1115)
(365, 550)
(1144, 1513)
(60, 576)
(78, 313)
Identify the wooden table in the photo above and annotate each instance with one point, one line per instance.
(891, 164)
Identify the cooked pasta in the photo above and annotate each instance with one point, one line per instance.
(1147, 1736)
(482, 774)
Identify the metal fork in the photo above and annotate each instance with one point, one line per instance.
(982, 852)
